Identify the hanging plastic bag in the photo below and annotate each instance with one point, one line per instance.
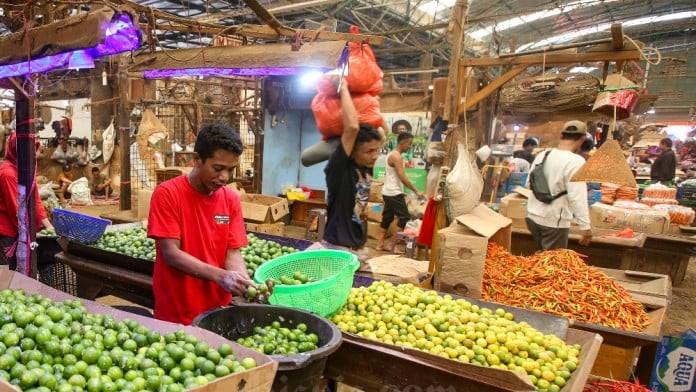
(464, 184)
(80, 194)
(329, 117)
(109, 136)
(150, 132)
(364, 74)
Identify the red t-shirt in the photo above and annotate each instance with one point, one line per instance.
(206, 226)
(8, 201)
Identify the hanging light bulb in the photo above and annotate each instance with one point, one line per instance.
(104, 78)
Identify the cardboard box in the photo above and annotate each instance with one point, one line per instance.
(373, 211)
(651, 289)
(267, 228)
(675, 362)
(463, 247)
(514, 206)
(262, 208)
(238, 188)
(398, 269)
(618, 98)
(144, 197)
(373, 229)
(646, 221)
(259, 379)
(376, 192)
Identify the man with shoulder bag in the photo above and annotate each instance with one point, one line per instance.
(555, 201)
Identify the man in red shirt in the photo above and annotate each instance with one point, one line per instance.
(197, 224)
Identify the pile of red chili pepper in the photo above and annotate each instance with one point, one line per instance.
(560, 282)
(614, 386)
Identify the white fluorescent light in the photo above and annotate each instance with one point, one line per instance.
(604, 27)
(534, 16)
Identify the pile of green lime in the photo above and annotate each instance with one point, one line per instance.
(260, 251)
(297, 278)
(130, 242)
(59, 346)
(276, 339)
(47, 232)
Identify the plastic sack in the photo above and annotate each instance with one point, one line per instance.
(80, 194)
(431, 180)
(296, 194)
(364, 75)
(329, 117)
(109, 137)
(46, 190)
(150, 132)
(93, 152)
(464, 184)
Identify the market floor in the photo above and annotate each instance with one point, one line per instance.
(680, 314)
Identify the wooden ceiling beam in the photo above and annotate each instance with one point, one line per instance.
(268, 33)
(486, 91)
(552, 59)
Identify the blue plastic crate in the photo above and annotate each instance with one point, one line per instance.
(79, 227)
(517, 179)
(687, 193)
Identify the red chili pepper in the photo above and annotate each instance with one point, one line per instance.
(560, 282)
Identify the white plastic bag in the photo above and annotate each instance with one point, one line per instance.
(80, 194)
(46, 190)
(109, 136)
(464, 184)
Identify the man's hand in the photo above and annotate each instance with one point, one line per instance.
(47, 224)
(586, 237)
(235, 282)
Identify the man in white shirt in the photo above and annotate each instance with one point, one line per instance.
(549, 223)
(393, 189)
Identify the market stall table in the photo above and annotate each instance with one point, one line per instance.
(100, 272)
(657, 253)
(372, 365)
(95, 280)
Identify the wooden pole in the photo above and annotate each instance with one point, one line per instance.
(455, 31)
(124, 140)
(26, 168)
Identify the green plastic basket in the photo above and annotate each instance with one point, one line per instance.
(333, 271)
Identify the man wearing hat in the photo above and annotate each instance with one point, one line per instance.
(549, 222)
(399, 127)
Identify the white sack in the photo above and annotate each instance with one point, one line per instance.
(464, 184)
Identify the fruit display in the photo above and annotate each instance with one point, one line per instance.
(131, 242)
(275, 339)
(409, 317)
(59, 346)
(260, 251)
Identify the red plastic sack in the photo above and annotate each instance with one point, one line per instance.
(329, 117)
(364, 75)
(324, 86)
